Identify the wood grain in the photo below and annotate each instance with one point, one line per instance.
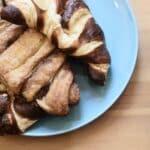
(126, 126)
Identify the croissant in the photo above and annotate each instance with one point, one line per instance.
(69, 25)
(35, 79)
(16, 116)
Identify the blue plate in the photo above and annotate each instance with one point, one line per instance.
(117, 20)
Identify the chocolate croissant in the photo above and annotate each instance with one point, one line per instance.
(35, 79)
(69, 25)
(31, 63)
(16, 115)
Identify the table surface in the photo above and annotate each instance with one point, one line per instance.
(126, 126)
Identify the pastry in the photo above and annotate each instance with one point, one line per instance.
(69, 25)
(17, 115)
(35, 78)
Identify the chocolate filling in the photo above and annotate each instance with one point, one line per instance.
(70, 8)
(91, 32)
(28, 110)
(42, 92)
(13, 14)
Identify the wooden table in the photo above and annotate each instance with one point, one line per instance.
(126, 126)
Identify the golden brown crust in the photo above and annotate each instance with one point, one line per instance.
(26, 46)
(9, 35)
(43, 75)
(4, 25)
(56, 101)
(18, 76)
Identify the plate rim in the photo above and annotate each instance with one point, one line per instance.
(136, 47)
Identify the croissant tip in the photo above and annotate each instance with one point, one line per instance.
(98, 75)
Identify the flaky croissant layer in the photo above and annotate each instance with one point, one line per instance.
(67, 23)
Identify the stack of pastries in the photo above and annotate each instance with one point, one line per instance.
(35, 76)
